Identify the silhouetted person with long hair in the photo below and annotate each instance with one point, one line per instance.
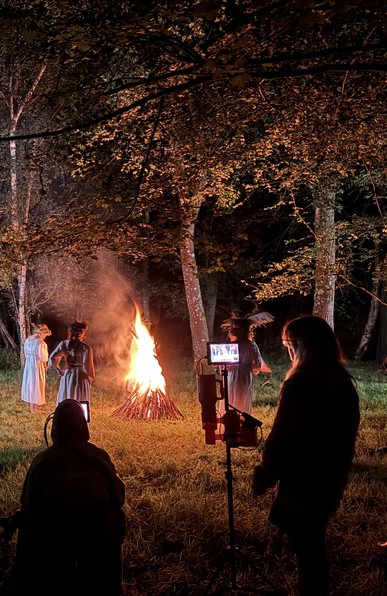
(310, 447)
(71, 523)
(78, 371)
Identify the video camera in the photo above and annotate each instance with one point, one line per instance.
(236, 428)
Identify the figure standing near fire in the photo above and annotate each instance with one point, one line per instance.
(310, 447)
(33, 389)
(240, 376)
(78, 371)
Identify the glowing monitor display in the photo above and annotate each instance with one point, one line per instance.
(86, 409)
(223, 353)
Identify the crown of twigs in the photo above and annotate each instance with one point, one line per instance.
(249, 322)
(78, 327)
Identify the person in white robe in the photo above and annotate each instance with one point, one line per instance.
(33, 390)
(73, 360)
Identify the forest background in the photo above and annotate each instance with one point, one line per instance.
(200, 158)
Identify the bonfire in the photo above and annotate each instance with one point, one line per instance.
(145, 383)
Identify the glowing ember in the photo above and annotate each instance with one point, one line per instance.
(144, 370)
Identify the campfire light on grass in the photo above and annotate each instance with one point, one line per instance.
(145, 382)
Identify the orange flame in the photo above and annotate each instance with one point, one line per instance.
(144, 372)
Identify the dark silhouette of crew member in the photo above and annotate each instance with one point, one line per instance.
(310, 447)
(71, 524)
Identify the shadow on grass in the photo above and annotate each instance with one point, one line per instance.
(266, 401)
(373, 469)
(12, 457)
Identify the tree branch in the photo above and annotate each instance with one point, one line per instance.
(111, 115)
(351, 283)
(144, 164)
(200, 79)
(300, 56)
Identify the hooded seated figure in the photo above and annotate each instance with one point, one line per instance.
(72, 524)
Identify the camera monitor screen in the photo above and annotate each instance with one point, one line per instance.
(86, 409)
(226, 353)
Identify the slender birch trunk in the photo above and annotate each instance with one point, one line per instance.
(16, 107)
(22, 307)
(325, 263)
(365, 339)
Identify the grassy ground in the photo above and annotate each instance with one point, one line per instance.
(176, 502)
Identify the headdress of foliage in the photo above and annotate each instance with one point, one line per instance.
(78, 327)
(242, 326)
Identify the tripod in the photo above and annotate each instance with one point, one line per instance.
(232, 553)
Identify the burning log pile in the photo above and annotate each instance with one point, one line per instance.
(151, 405)
(145, 382)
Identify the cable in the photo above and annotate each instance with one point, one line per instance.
(48, 420)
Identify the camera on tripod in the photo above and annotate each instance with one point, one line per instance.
(236, 428)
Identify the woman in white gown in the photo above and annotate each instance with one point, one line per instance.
(33, 389)
(78, 370)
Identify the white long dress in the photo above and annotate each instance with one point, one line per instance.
(78, 372)
(33, 388)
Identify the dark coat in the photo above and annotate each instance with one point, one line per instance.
(72, 524)
(310, 447)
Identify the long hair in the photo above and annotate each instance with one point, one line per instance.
(313, 343)
(40, 328)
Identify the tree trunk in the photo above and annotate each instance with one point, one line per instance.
(18, 215)
(145, 282)
(211, 284)
(368, 329)
(325, 276)
(22, 315)
(381, 353)
(14, 206)
(197, 317)
(145, 290)
(372, 316)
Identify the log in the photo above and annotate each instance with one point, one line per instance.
(8, 340)
(151, 405)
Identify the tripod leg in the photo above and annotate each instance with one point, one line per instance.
(218, 572)
(232, 553)
(269, 584)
